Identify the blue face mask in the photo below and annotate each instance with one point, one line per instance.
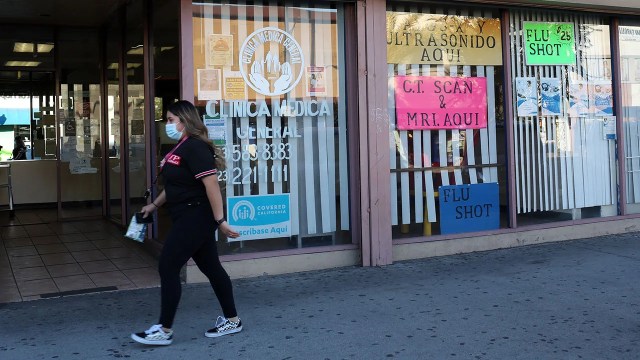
(172, 132)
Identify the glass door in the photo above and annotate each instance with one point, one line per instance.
(80, 118)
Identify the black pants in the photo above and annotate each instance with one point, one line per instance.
(192, 236)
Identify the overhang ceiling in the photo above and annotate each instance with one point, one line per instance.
(81, 13)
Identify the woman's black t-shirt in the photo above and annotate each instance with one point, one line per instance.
(183, 169)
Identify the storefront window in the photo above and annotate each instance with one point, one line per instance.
(563, 125)
(446, 121)
(270, 84)
(630, 78)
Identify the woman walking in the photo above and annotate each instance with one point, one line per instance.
(192, 193)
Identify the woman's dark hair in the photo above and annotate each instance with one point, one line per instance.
(193, 126)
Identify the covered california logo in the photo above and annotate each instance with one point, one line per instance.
(243, 210)
(260, 62)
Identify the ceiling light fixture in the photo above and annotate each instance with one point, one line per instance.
(23, 63)
(22, 47)
(136, 51)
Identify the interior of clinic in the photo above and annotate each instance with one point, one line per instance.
(72, 104)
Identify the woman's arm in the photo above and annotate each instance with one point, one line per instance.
(215, 200)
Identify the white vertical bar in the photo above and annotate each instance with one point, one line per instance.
(491, 124)
(470, 133)
(602, 164)
(562, 153)
(563, 165)
(630, 127)
(403, 149)
(276, 120)
(634, 141)
(229, 123)
(544, 180)
(428, 175)
(543, 154)
(326, 149)
(570, 183)
(484, 133)
(260, 120)
(578, 173)
(631, 193)
(594, 167)
(325, 198)
(590, 186)
(455, 141)
(539, 155)
(588, 181)
(578, 125)
(528, 175)
(527, 162)
(556, 184)
(442, 143)
(391, 105)
(309, 154)
(294, 171)
(417, 163)
(608, 171)
(470, 141)
(613, 175)
(343, 169)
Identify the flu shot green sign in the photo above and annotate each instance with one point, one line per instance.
(549, 43)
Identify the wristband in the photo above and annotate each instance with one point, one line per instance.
(154, 204)
(221, 220)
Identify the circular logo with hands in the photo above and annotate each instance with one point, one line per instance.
(261, 64)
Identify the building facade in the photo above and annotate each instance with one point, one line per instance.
(354, 132)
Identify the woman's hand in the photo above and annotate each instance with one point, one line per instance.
(148, 210)
(228, 231)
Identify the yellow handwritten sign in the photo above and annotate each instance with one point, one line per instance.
(234, 86)
(442, 39)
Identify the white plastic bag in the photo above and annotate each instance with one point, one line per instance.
(136, 231)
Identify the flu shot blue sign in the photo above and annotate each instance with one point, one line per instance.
(259, 216)
(466, 208)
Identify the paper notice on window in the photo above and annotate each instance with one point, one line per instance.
(527, 96)
(217, 130)
(601, 98)
(209, 84)
(234, 86)
(578, 99)
(609, 128)
(316, 81)
(219, 50)
(550, 97)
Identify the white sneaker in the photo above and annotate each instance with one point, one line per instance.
(154, 336)
(224, 327)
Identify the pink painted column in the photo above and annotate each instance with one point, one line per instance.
(374, 134)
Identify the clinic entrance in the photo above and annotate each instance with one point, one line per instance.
(46, 137)
(76, 115)
(94, 89)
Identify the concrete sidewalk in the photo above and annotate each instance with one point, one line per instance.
(570, 300)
